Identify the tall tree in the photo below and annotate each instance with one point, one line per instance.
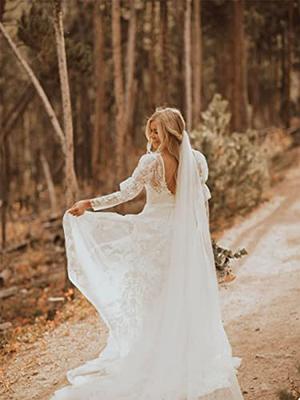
(118, 85)
(239, 87)
(197, 62)
(287, 48)
(130, 82)
(70, 177)
(124, 95)
(155, 48)
(4, 153)
(99, 142)
(164, 50)
(187, 63)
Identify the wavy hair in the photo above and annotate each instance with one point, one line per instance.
(171, 125)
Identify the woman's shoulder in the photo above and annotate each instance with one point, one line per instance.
(148, 158)
(202, 164)
(199, 155)
(150, 155)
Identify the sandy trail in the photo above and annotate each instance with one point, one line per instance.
(261, 308)
(261, 311)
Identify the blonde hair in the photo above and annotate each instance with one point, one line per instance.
(170, 125)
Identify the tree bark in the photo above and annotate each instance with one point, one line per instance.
(4, 154)
(154, 86)
(197, 64)
(118, 86)
(70, 177)
(238, 96)
(287, 37)
(49, 182)
(130, 83)
(4, 193)
(99, 142)
(164, 97)
(187, 61)
(15, 113)
(124, 97)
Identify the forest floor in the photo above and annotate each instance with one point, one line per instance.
(261, 312)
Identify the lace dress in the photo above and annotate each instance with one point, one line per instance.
(119, 263)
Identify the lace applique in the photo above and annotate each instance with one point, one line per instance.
(161, 184)
(203, 171)
(144, 279)
(129, 188)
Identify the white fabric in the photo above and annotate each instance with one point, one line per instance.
(152, 278)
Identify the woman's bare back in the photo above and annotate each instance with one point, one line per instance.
(170, 169)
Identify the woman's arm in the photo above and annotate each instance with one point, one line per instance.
(203, 172)
(129, 188)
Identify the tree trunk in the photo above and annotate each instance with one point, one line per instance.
(124, 98)
(49, 182)
(99, 142)
(4, 164)
(197, 63)
(2, 9)
(187, 61)
(179, 16)
(84, 116)
(287, 36)
(239, 90)
(254, 89)
(25, 157)
(16, 112)
(118, 87)
(154, 86)
(70, 177)
(164, 95)
(4, 188)
(131, 83)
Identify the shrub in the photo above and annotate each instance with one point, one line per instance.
(238, 168)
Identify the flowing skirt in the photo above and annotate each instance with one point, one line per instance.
(122, 264)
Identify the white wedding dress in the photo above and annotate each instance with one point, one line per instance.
(151, 277)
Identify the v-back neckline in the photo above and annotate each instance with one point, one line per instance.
(164, 173)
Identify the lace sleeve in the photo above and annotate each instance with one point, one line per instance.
(203, 171)
(129, 188)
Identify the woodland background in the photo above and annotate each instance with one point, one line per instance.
(79, 78)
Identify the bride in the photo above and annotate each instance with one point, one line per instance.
(151, 276)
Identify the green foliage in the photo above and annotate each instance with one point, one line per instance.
(216, 118)
(224, 256)
(36, 31)
(35, 27)
(238, 169)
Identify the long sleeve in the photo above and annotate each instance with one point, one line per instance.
(129, 188)
(203, 171)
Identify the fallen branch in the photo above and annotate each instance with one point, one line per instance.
(4, 293)
(18, 246)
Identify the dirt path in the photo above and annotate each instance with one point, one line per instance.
(260, 310)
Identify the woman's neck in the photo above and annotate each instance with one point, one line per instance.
(163, 151)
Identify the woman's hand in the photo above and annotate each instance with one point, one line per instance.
(79, 207)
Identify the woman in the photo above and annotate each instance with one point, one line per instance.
(152, 278)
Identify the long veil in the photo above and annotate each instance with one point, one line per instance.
(183, 352)
(193, 356)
